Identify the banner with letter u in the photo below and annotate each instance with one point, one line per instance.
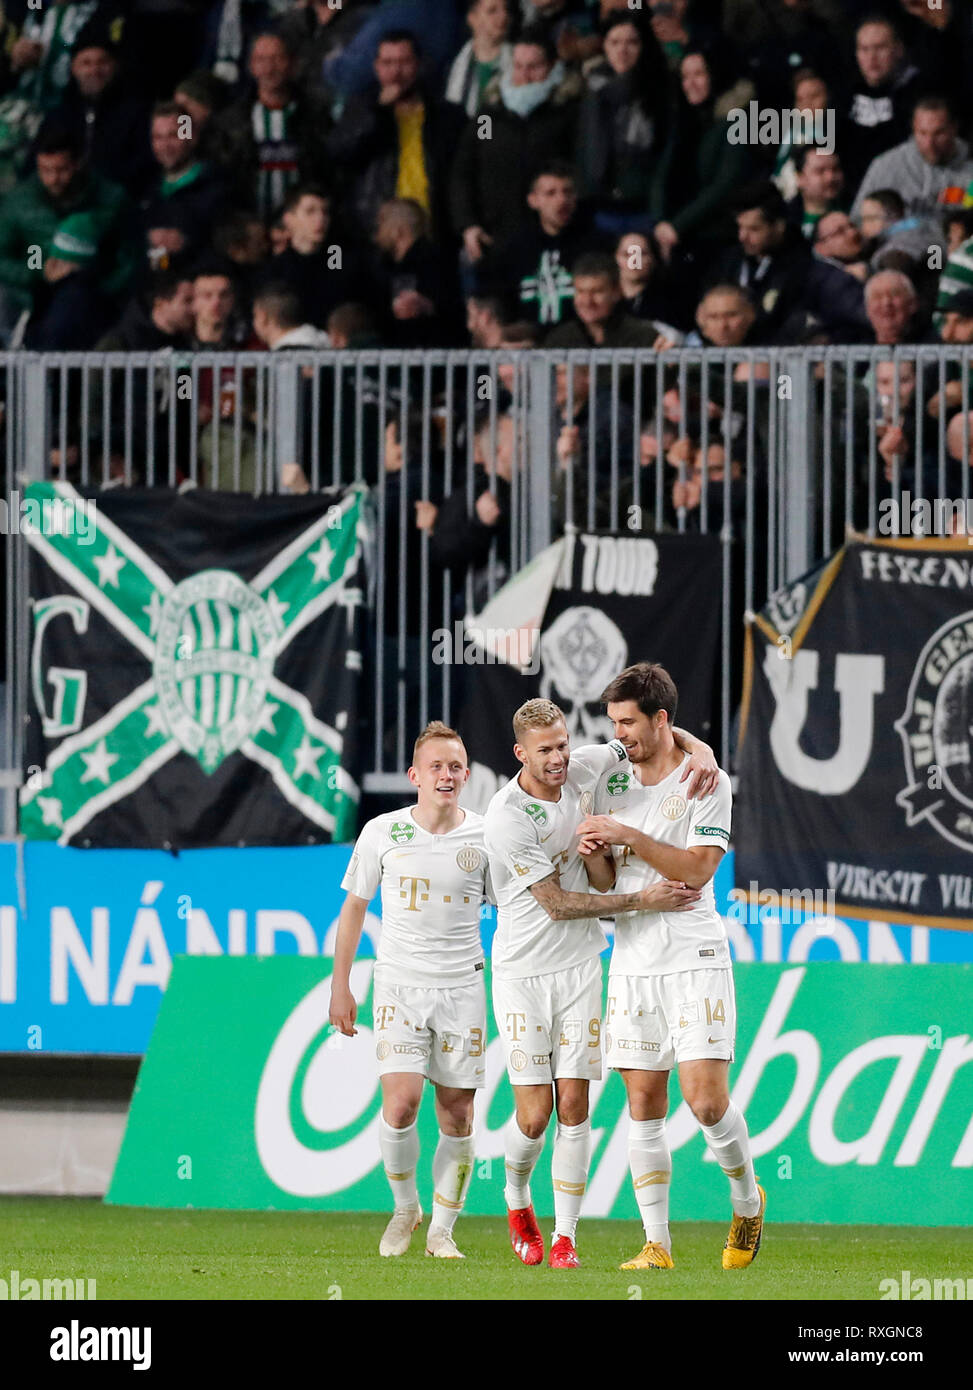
(856, 763)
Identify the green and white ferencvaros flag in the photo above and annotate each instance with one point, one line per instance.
(194, 668)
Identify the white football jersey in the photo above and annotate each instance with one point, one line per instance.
(527, 840)
(432, 888)
(659, 943)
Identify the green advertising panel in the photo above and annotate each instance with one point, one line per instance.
(856, 1081)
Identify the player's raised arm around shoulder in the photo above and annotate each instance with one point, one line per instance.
(702, 769)
(344, 1008)
(562, 906)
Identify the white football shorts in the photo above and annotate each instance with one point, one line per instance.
(437, 1033)
(654, 1022)
(550, 1025)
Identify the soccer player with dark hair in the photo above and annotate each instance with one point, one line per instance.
(670, 986)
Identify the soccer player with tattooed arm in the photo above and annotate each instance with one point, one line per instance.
(547, 975)
(671, 1000)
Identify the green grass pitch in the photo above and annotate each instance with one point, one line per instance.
(137, 1253)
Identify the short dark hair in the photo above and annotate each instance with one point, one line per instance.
(890, 200)
(521, 331)
(400, 36)
(54, 138)
(648, 684)
(304, 190)
(554, 169)
(280, 303)
(596, 263)
(537, 37)
(232, 231)
(167, 108)
(761, 196)
(801, 154)
(964, 216)
(352, 320)
(164, 285)
(935, 103)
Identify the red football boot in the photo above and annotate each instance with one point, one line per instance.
(563, 1254)
(525, 1235)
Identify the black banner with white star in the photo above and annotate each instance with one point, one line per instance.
(856, 763)
(195, 667)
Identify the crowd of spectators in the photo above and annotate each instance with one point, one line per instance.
(272, 174)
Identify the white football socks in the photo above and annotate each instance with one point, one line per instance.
(729, 1143)
(520, 1156)
(651, 1165)
(400, 1154)
(452, 1168)
(569, 1171)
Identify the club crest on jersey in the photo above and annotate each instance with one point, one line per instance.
(673, 807)
(586, 802)
(468, 858)
(518, 1059)
(382, 1051)
(400, 831)
(537, 813)
(617, 784)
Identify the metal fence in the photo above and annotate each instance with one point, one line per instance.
(780, 452)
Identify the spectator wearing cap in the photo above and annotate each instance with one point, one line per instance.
(929, 170)
(71, 311)
(531, 116)
(535, 267)
(187, 196)
(322, 272)
(110, 124)
(396, 139)
(488, 54)
(274, 137)
(419, 295)
(31, 213)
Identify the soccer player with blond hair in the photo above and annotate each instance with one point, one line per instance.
(547, 978)
(429, 1001)
(671, 1001)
